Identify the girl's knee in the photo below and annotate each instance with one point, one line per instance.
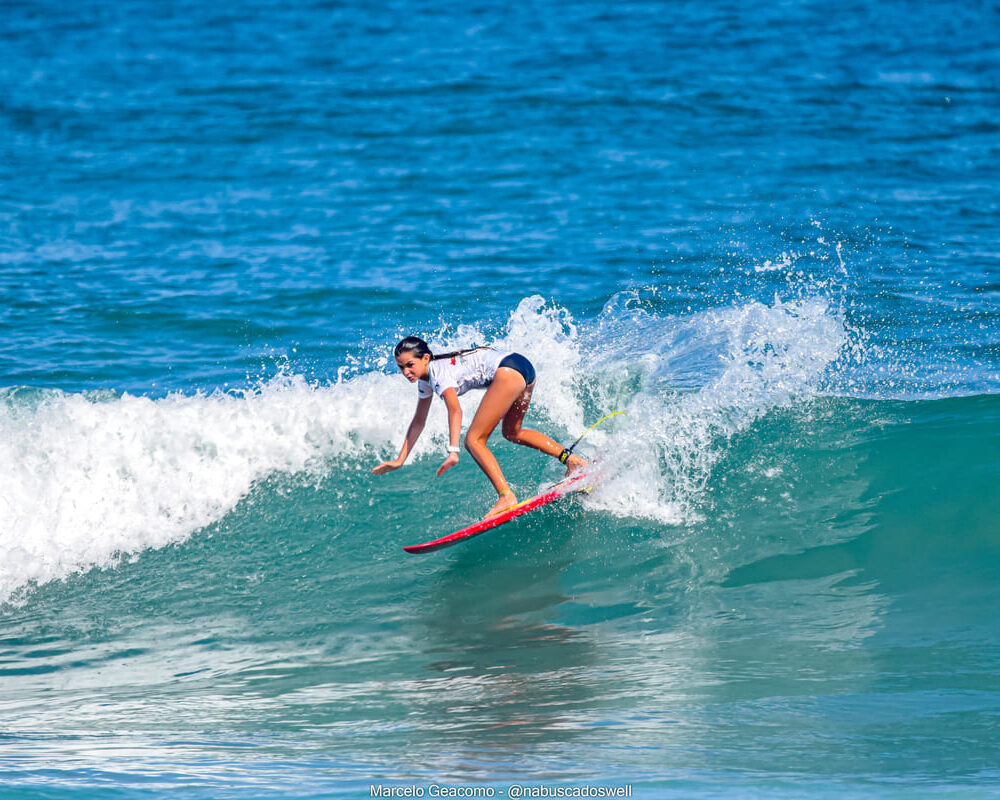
(512, 435)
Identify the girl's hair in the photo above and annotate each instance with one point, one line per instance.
(412, 344)
(419, 348)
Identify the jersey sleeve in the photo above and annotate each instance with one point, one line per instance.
(441, 375)
(424, 389)
(444, 381)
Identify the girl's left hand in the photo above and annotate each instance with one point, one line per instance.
(449, 462)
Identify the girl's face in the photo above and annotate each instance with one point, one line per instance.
(413, 368)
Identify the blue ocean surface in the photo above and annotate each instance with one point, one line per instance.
(767, 232)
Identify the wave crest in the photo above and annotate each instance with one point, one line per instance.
(98, 475)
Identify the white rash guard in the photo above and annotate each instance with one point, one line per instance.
(473, 370)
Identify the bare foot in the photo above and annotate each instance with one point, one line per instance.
(573, 464)
(505, 501)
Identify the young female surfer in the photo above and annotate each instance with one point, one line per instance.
(508, 379)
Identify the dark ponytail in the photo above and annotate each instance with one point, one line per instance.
(419, 348)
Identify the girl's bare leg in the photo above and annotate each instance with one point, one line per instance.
(508, 399)
(507, 387)
(513, 432)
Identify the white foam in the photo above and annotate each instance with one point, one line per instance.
(95, 477)
(751, 359)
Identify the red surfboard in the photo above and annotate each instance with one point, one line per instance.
(575, 483)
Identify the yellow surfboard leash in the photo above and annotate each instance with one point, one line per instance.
(569, 450)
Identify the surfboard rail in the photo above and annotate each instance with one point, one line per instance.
(574, 483)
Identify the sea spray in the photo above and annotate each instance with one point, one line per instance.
(749, 359)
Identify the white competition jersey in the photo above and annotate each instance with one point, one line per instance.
(474, 370)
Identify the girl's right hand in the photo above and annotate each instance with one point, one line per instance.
(387, 466)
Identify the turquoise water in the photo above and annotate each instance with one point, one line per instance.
(765, 232)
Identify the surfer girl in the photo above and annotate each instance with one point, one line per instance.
(508, 378)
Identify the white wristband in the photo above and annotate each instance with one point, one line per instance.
(452, 448)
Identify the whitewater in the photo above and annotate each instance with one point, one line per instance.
(102, 475)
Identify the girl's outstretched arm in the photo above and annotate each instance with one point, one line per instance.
(412, 434)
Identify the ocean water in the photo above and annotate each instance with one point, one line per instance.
(767, 232)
